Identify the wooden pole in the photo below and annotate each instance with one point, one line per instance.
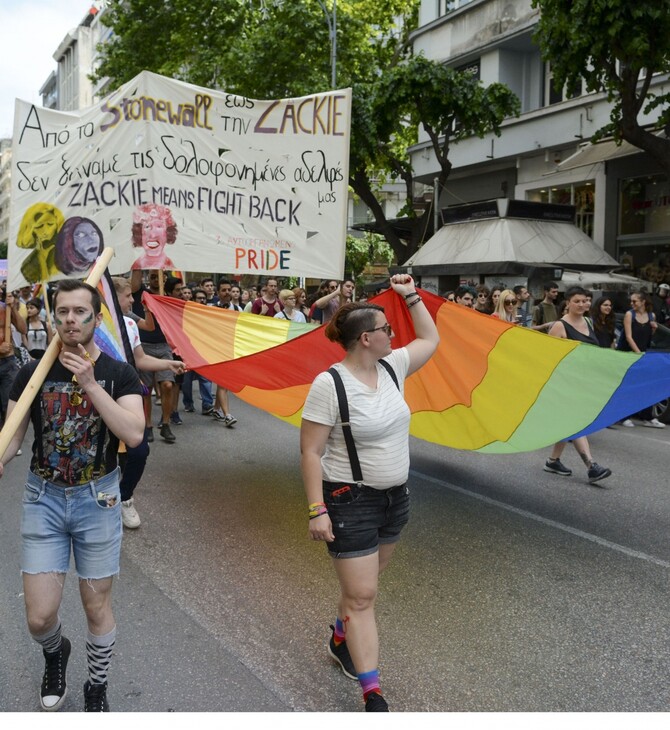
(22, 406)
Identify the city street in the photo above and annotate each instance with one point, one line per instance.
(512, 589)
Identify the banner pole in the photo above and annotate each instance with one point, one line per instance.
(48, 359)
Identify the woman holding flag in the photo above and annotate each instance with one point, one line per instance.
(355, 463)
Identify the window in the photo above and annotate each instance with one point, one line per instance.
(644, 205)
(581, 195)
(552, 95)
(446, 6)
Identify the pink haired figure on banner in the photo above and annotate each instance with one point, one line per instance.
(153, 228)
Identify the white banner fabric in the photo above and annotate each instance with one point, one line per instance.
(177, 177)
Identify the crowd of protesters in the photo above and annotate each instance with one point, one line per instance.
(365, 334)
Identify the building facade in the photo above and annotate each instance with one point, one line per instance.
(5, 187)
(621, 196)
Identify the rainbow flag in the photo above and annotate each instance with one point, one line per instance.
(111, 336)
(491, 387)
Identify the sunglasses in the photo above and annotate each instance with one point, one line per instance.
(386, 327)
(510, 301)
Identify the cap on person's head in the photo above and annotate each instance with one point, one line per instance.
(664, 286)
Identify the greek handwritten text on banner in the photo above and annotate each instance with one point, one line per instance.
(174, 176)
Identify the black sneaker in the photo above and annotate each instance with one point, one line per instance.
(556, 467)
(376, 703)
(150, 434)
(189, 409)
(207, 410)
(167, 434)
(54, 687)
(340, 654)
(597, 472)
(95, 697)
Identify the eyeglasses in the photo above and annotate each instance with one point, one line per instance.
(482, 296)
(332, 288)
(510, 301)
(386, 327)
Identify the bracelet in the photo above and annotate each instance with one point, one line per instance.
(411, 294)
(314, 505)
(416, 301)
(313, 517)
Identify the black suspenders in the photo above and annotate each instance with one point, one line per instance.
(356, 472)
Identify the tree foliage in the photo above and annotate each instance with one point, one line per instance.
(616, 47)
(370, 249)
(273, 50)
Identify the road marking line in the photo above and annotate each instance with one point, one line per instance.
(545, 521)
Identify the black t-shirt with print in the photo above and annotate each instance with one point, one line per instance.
(70, 432)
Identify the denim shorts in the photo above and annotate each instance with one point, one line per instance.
(85, 519)
(364, 518)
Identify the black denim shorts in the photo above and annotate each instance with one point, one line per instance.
(364, 518)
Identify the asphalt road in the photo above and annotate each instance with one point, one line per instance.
(512, 589)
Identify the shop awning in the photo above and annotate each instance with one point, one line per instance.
(592, 154)
(487, 244)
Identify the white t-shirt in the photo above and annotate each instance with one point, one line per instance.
(133, 333)
(379, 421)
(297, 316)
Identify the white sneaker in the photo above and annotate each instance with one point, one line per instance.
(654, 423)
(230, 420)
(129, 515)
(628, 423)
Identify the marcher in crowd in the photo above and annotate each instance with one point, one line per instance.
(359, 502)
(574, 326)
(507, 309)
(523, 310)
(338, 294)
(545, 311)
(71, 500)
(481, 304)
(134, 460)
(604, 321)
(639, 325)
(463, 296)
(38, 335)
(661, 302)
(287, 298)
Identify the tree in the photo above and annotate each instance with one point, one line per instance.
(370, 249)
(269, 50)
(450, 105)
(616, 47)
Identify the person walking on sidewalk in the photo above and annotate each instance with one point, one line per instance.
(71, 500)
(354, 443)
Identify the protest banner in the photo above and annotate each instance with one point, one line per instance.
(174, 176)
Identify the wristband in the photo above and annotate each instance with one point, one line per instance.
(416, 301)
(323, 512)
(411, 294)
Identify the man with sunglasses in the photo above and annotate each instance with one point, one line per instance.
(71, 499)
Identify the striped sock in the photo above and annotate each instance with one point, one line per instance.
(99, 655)
(338, 635)
(369, 682)
(51, 640)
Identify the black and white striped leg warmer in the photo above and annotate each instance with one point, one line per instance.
(99, 655)
(50, 640)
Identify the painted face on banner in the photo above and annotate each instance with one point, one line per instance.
(154, 235)
(86, 240)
